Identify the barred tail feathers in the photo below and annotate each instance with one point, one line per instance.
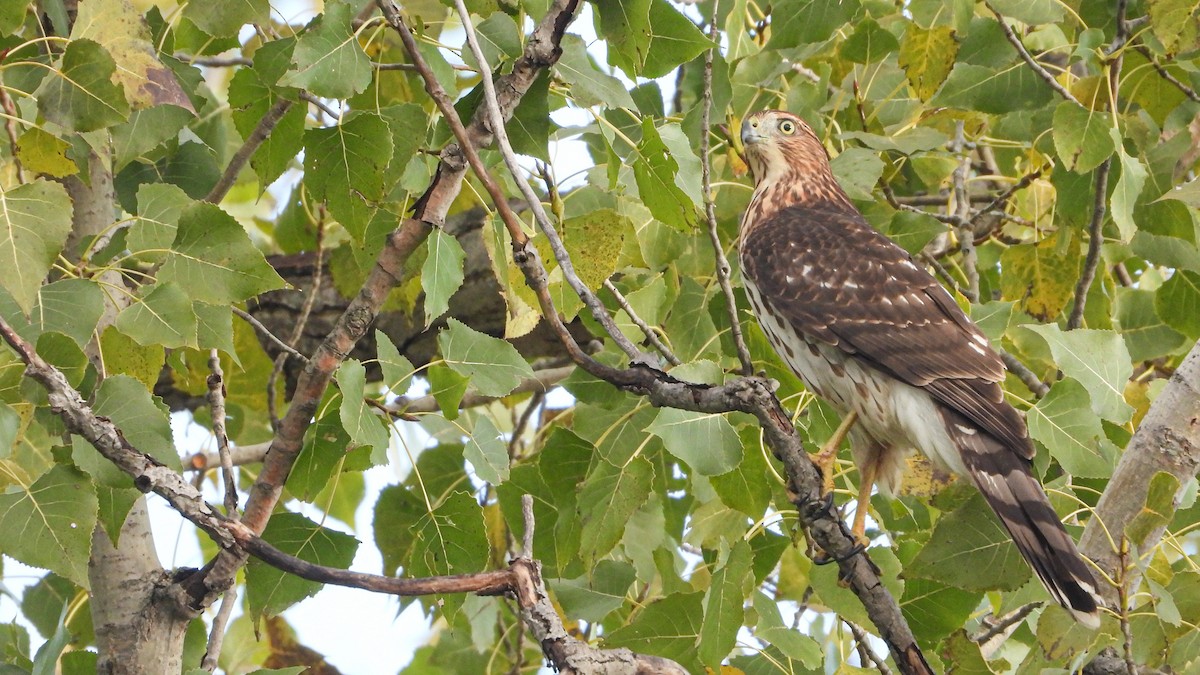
(1018, 500)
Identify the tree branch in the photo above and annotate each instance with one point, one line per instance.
(1028, 58)
(239, 159)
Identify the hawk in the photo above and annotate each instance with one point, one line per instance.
(878, 337)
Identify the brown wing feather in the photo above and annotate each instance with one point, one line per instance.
(838, 280)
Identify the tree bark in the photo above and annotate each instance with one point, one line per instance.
(1168, 440)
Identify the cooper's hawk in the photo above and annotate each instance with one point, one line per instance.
(879, 338)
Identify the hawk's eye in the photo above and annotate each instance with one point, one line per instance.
(788, 127)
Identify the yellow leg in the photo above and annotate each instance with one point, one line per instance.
(828, 455)
(867, 481)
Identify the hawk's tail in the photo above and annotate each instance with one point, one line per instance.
(1005, 479)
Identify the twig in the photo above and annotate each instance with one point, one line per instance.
(321, 105)
(647, 329)
(864, 648)
(1123, 609)
(1095, 239)
(216, 404)
(1027, 376)
(238, 456)
(216, 635)
(10, 126)
(541, 382)
(214, 61)
(266, 332)
(962, 211)
(305, 312)
(527, 514)
(1162, 72)
(1038, 69)
(531, 409)
(1000, 625)
(496, 121)
(239, 159)
(710, 210)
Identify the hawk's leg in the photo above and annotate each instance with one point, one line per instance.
(866, 482)
(826, 458)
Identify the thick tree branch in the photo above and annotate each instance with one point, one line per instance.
(1167, 441)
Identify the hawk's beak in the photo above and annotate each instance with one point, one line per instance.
(750, 133)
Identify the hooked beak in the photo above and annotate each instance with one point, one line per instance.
(750, 134)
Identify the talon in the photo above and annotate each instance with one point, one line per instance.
(824, 558)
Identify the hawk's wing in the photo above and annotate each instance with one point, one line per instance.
(836, 279)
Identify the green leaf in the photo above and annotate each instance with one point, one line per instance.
(1081, 136)
(607, 499)
(1098, 360)
(1178, 303)
(655, 170)
(69, 306)
(668, 627)
(44, 153)
(492, 365)
(1188, 193)
(442, 273)
(707, 442)
(723, 610)
(328, 59)
(869, 43)
(858, 170)
(450, 540)
(269, 591)
(1041, 276)
(397, 370)
(159, 207)
(49, 524)
(927, 57)
(1158, 509)
(1146, 334)
(935, 610)
(143, 419)
(1174, 23)
(1030, 12)
(250, 99)
(992, 90)
(80, 94)
(792, 643)
(966, 541)
(589, 86)
(447, 388)
(1129, 186)
(325, 445)
(595, 242)
(487, 452)
(746, 488)
(595, 596)
(146, 130)
(796, 23)
(344, 166)
(625, 25)
(912, 231)
(123, 356)
(676, 40)
(220, 19)
(162, 315)
(363, 426)
(35, 219)
(1064, 422)
(214, 261)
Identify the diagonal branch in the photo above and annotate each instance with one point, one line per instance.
(1037, 68)
(263, 129)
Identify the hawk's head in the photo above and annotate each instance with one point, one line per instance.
(788, 161)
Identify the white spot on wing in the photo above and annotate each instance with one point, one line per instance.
(965, 429)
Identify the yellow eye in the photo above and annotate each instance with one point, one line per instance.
(788, 127)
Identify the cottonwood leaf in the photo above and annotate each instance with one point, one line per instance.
(1178, 302)
(1129, 186)
(1100, 362)
(589, 86)
(250, 99)
(966, 541)
(269, 590)
(69, 306)
(487, 452)
(329, 61)
(1064, 422)
(345, 166)
(1041, 276)
(655, 170)
(449, 540)
(363, 426)
(79, 95)
(595, 596)
(927, 57)
(213, 259)
(1032, 12)
(707, 442)
(442, 273)
(220, 19)
(724, 613)
(492, 365)
(1081, 136)
(35, 220)
(802, 22)
(162, 314)
(45, 153)
(607, 499)
(668, 628)
(142, 418)
(49, 524)
(1147, 334)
